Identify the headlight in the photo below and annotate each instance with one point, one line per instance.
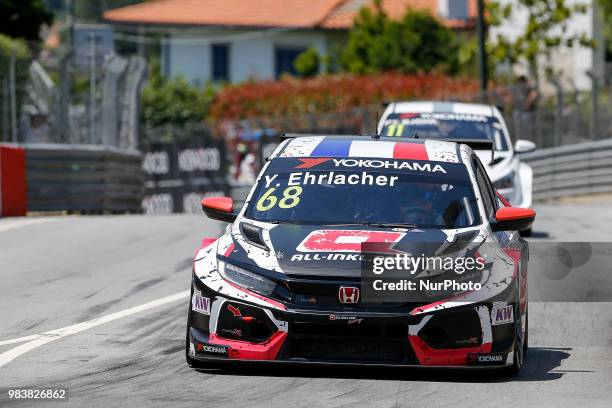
(246, 279)
(505, 182)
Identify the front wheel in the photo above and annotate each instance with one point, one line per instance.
(520, 349)
(191, 361)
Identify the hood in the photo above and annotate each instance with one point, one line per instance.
(314, 250)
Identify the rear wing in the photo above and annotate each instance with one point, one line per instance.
(475, 144)
(286, 136)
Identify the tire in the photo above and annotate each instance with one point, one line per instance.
(519, 349)
(190, 361)
(526, 341)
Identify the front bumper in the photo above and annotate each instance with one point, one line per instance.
(239, 330)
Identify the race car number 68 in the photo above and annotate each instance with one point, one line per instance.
(291, 198)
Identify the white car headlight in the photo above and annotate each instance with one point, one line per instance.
(246, 279)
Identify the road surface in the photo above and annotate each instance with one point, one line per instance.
(98, 305)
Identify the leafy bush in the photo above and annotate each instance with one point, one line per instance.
(307, 63)
(7, 45)
(173, 101)
(23, 58)
(332, 93)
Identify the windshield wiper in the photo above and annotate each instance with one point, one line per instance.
(390, 225)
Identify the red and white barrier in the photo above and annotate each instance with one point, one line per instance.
(13, 187)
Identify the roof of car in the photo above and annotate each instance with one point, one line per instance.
(443, 107)
(368, 147)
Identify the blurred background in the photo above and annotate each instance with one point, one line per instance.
(132, 106)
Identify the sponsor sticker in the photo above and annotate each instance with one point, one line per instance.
(200, 304)
(341, 178)
(348, 319)
(212, 349)
(390, 164)
(502, 313)
(486, 359)
(346, 240)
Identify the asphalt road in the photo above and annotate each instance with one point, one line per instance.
(58, 272)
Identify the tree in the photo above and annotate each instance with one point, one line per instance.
(543, 34)
(606, 11)
(23, 18)
(88, 10)
(427, 44)
(307, 63)
(23, 58)
(173, 101)
(371, 46)
(418, 42)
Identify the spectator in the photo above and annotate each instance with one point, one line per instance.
(527, 95)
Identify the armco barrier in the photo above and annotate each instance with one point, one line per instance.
(12, 181)
(579, 169)
(83, 178)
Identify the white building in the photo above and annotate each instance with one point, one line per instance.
(573, 63)
(236, 40)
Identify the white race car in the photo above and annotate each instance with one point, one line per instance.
(466, 121)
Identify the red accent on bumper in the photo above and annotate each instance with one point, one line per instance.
(207, 241)
(267, 350)
(428, 356)
(229, 250)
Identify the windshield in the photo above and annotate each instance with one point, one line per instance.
(445, 125)
(331, 191)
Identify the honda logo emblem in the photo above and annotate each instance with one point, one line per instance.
(348, 294)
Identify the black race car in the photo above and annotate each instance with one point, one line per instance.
(351, 249)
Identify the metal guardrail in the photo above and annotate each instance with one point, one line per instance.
(584, 168)
(83, 178)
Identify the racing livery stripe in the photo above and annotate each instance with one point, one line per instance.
(229, 250)
(367, 148)
(412, 151)
(332, 148)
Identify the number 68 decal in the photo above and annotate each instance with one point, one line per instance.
(290, 198)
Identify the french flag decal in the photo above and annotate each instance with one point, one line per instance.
(332, 148)
(410, 151)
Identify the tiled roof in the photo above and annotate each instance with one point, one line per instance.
(342, 17)
(326, 14)
(252, 13)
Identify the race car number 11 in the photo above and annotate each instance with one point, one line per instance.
(290, 198)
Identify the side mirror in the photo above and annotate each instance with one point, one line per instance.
(524, 146)
(219, 208)
(513, 219)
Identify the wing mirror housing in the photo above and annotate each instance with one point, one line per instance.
(524, 146)
(513, 219)
(219, 208)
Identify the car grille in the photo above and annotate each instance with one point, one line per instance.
(345, 329)
(347, 349)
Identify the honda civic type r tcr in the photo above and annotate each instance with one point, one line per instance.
(290, 280)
